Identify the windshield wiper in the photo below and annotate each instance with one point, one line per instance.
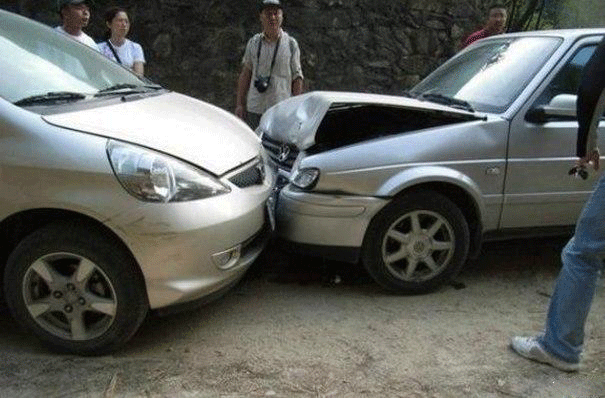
(126, 89)
(117, 87)
(445, 100)
(55, 96)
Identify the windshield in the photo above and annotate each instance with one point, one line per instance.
(37, 60)
(490, 75)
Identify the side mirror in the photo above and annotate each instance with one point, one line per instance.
(560, 107)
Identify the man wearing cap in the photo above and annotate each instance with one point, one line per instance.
(271, 69)
(75, 15)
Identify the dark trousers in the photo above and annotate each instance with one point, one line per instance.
(253, 119)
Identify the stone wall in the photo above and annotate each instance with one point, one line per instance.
(195, 46)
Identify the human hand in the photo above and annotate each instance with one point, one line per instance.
(593, 157)
(239, 112)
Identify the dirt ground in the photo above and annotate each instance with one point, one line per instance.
(315, 329)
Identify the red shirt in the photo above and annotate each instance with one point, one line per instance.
(480, 34)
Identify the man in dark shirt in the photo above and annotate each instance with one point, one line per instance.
(496, 23)
(561, 343)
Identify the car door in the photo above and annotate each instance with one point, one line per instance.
(539, 192)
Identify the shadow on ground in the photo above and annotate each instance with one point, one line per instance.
(506, 259)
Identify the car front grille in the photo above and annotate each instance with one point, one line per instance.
(253, 175)
(281, 154)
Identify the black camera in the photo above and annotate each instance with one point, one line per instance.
(262, 83)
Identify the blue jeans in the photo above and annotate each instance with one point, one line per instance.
(574, 290)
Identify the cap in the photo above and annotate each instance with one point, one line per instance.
(63, 3)
(269, 3)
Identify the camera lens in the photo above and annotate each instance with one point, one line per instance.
(261, 84)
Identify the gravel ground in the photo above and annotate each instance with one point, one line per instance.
(316, 329)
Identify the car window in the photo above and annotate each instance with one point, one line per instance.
(567, 80)
(37, 60)
(491, 74)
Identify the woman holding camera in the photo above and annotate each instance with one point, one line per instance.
(117, 46)
(271, 69)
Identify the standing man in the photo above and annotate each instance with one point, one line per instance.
(75, 15)
(271, 69)
(496, 23)
(561, 343)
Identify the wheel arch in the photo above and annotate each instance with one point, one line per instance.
(19, 225)
(454, 185)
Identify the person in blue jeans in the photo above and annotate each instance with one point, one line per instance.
(561, 343)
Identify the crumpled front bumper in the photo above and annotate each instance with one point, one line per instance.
(324, 219)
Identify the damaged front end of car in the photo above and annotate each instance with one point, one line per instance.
(322, 121)
(336, 154)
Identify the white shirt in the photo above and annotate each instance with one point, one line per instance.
(82, 38)
(129, 52)
(287, 68)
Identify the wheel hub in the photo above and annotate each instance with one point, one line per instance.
(71, 297)
(69, 300)
(420, 246)
(68, 295)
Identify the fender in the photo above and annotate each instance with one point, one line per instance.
(419, 175)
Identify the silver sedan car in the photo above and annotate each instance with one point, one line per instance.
(116, 195)
(411, 185)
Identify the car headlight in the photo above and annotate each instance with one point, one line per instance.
(153, 177)
(305, 178)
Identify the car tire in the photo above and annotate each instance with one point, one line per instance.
(76, 288)
(416, 243)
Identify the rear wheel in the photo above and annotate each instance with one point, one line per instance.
(416, 243)
(75, 288)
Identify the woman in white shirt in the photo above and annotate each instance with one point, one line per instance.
(117, 46)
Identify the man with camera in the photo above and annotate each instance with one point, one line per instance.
(271, 69)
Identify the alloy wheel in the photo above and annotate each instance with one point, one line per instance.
(69, 296)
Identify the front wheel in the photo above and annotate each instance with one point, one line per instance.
(416, 243)
(75, 288)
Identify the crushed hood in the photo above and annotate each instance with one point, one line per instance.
(172, 123)
(298, 120)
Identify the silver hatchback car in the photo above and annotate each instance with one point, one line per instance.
(116, 196)
(410, 185)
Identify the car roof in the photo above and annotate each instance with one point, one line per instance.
(563, 33)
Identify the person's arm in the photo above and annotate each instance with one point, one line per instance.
(138, 65)
(590, 107)
(243, 85)
(138, 68)
(296, 68)
(297, 86)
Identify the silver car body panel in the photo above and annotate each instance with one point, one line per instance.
(538, 190)
(515, 171)
(216, 140)
(357, 179)
(45, 166)
(313, 218)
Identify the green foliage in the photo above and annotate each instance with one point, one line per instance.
(581, 14)
(551, 14)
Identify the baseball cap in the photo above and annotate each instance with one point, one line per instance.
(63, 3)
(269, 3)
